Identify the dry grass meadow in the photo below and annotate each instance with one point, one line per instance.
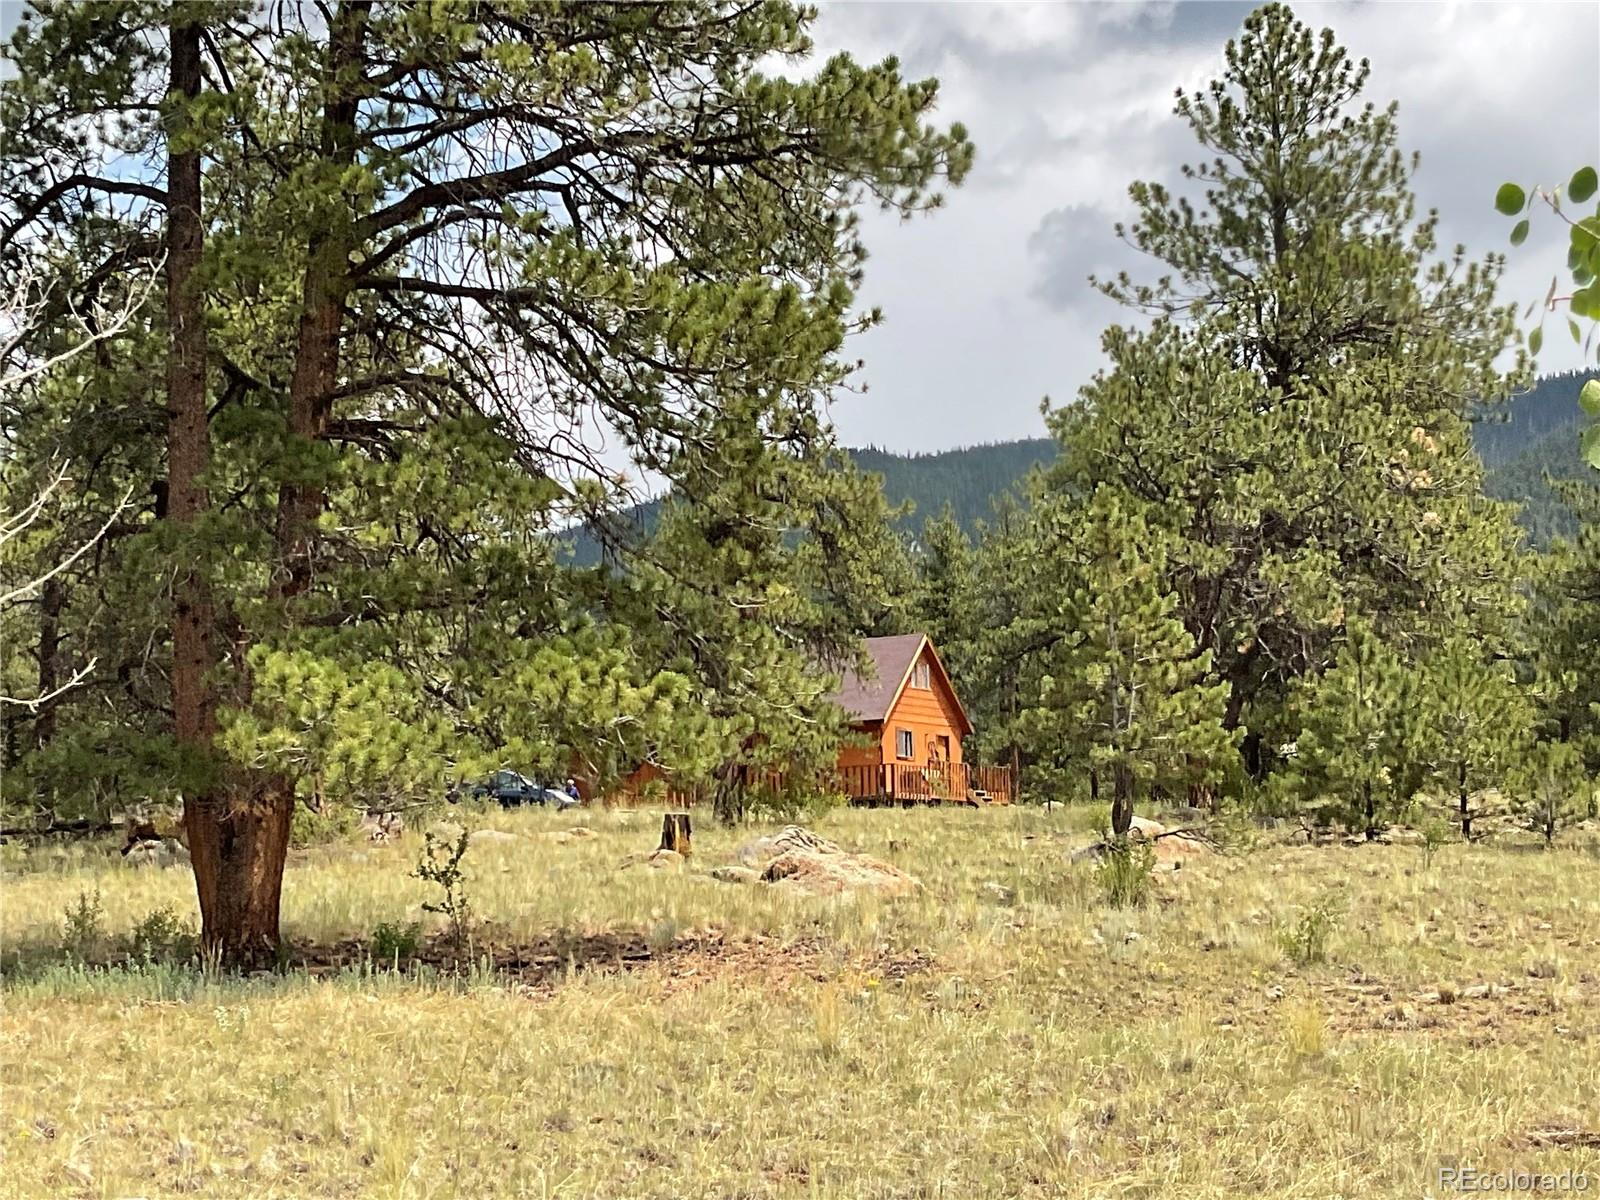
(662, 1034)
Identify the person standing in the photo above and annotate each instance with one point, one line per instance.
(573, 799)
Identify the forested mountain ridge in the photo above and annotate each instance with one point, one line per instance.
(1504, 434)
(1534, 434)
(1534, 437)
(1519, 442)
(967, 479)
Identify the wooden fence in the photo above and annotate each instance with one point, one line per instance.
(874, 784)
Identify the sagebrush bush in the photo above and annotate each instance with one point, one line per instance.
(1123, 871)
(163, 937)
(83, 933)
(1305, 941)
(393, 943)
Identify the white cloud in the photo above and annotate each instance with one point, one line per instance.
(987, 305)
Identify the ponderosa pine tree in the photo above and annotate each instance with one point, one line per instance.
(944, 600)
(1564, 628)
(1012, 622)
(1125, 690)
(1295, 417)
(438, 248)
(1353, 759)
(1551, 789)
(1469, 723)
(758, 592)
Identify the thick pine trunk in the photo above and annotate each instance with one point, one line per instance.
(188, 450)
(1121, 800)
(324, 290)
(238, 847)
(239, 843)
(728, 794)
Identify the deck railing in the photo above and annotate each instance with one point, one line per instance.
(930, 783)
(875, 783)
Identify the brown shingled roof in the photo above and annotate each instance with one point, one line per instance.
(869, 699)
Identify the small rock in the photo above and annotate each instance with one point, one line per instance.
(998, 892)
(657, 859)
(1145, 828)
(735, 874)
(163, 852)
(381, 826)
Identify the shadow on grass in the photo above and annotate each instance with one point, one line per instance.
(537, 964)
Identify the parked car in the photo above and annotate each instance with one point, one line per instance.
(508, 788)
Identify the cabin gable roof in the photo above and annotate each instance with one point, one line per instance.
(870, 700)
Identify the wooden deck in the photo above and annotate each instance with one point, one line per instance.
(879, 784)
(936, 783)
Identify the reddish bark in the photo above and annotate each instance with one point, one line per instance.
(239, 845)
(213, 838)
(324, 290)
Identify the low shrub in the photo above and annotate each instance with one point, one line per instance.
(393, 943)
(790, 804)
(1306, 940)
(440, 864)
(163, 937)
(1123, 871)
(83, 934)
(328, 823)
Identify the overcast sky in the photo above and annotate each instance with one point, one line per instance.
(986, 301)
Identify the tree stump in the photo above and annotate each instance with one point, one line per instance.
(675, 832)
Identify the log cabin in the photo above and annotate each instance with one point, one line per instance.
(908, 724)
(906, 728)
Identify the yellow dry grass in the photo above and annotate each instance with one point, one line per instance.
(971, 1041)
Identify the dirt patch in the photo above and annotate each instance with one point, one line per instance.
(1559, 1137)
(543, 963)
(1479, 1013)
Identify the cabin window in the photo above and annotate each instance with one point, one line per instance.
(904, 745)
(921, 676)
